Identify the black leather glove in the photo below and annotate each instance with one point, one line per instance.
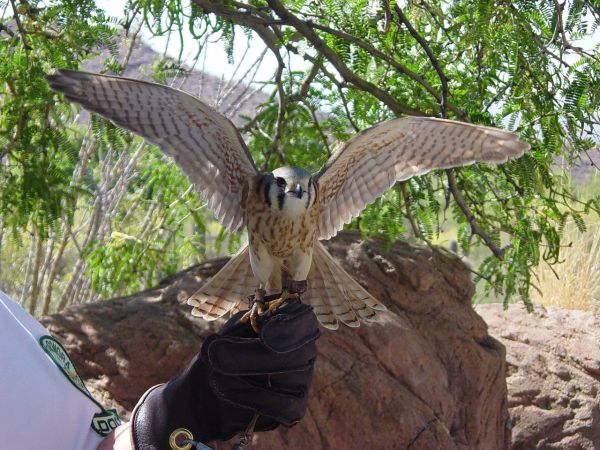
(236, 375)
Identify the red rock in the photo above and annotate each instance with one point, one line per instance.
(553, 380)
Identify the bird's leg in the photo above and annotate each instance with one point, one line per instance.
(292, 289)
(257, 308)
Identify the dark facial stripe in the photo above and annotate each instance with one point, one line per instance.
(281, 199)
(308, 194)
(266, 192)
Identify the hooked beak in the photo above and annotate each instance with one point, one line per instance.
(297, 191)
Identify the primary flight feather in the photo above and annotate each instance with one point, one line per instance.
(288, 210)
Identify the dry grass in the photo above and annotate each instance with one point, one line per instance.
(576, 283)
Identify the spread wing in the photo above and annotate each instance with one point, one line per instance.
(372, 161)
(203, 143)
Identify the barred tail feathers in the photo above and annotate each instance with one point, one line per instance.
(335, 295)
(332, 292)
(226, 290)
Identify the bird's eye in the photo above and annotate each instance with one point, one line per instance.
(280, 182)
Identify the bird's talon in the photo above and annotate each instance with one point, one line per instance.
(253, 314)
(245, 317)
(259, 307)
(254, 324)
(274, 304)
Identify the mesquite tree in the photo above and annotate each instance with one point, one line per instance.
(342, 66)
(513, 64)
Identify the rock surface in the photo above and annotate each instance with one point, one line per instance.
(553, 358)
(426, 376)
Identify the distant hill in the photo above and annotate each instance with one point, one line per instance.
(232, 99)
(587, 166)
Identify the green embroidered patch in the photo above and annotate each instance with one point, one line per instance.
(59, 355)
(103, 422)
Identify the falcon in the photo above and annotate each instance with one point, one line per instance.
(288, 211)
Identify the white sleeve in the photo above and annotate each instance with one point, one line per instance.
(42, 405)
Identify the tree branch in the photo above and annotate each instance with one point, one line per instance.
(340, 88)
(22, 31)
(561, 29)
(475, 229)
(269, 39)
(305, 30)
(390, 60)
(432, 58)
(7, 31)
(253, 17)
(409, 215)
(318, 126)
(314, 71)
(257, 19)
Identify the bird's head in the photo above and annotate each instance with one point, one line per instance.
(291, 192)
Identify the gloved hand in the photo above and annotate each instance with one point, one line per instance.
(236, 375)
